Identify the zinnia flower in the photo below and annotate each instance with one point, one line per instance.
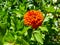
(33, 18)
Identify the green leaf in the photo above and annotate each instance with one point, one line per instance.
(58, 10)
(21, 41)
(1, 43)
(3, 29)
(55, 29)
(24, 42)
(50, 8)
(1, 39)
(8, 37)
(38, 37)
(44, 29)
(20, 24)
(7, 43)
(25, 29)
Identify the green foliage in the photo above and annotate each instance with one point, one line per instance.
(38, 37)
(14, 32)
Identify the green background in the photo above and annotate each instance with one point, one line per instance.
(14, 32)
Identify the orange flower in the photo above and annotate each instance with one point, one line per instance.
(33, 18)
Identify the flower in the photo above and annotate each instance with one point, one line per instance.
(33, 18)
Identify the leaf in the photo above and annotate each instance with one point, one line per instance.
(44, 29)
(8, 37)
(21, 41)
(3, 28)
(1, 43)
(1, 39)
(50, 8)
(58, 10)
(24, 42)
(20, 24)
(30, 33)
(38, 37)
(7, 43)
(55, 29)
(25, 29)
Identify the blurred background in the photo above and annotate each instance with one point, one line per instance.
(14, 32)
